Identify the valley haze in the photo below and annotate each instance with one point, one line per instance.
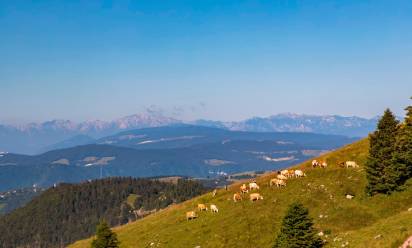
(35, 138)
(184, 150)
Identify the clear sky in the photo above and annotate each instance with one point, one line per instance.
(223, 59)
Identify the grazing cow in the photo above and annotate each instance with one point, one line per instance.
(351, 164)
(341, 164)
(191, 215)
(255, 197)
(277, 182)
(323, 164)
(243, 189)
(349, 196)
(287, 173)
(213, 208)
(299, 173)
(237, 197)
(253, 186)
(281, 183)
(281, 177)
(201, 207)
(315, 163)
(284, 173)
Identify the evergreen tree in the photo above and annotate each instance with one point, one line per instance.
(402, 157)
(105, 237)
(297, 229)
(379, 171)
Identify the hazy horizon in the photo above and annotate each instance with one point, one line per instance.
(163, 114)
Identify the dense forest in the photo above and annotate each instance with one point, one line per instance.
(70, 212)
(12, 199)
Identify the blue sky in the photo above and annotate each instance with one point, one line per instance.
(225, 60)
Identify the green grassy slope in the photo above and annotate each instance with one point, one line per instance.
(256, 224)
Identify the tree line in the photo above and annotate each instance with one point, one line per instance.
(70, 212)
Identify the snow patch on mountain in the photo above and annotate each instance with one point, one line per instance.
(169, 139)
(33, 138)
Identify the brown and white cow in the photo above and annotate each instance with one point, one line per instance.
(255, 197)
(191, 215)
(201, 207)
(277, 182)
(243, 189)
(237, 197)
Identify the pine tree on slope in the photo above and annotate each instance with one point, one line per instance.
(402, 158)
(297, 229)
(381, 149)
(105, 237)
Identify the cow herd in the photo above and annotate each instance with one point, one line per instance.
(279, 181)
(346, 164)
(201, 207)
(253, 186)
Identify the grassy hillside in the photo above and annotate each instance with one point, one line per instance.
(246, 224)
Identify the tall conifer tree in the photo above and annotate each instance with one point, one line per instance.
(402, 157)
(379, 171)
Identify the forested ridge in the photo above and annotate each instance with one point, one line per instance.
(12, 199)
(70, 212)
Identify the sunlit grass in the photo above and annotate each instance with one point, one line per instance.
(246, 224)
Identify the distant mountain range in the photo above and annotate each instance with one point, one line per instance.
(35, 138)
(164, 151)
(288, 122)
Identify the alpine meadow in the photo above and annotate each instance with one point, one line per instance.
(206, 124)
